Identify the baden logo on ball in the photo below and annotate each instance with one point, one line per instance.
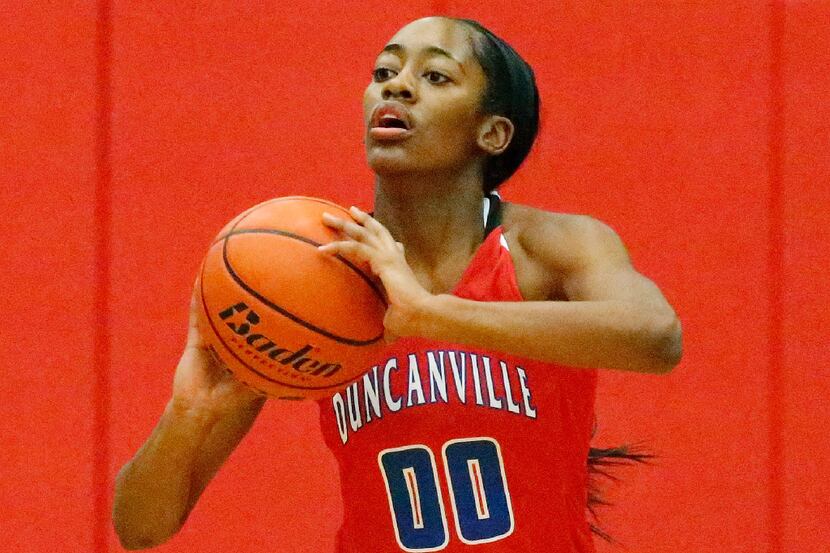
(263, 344)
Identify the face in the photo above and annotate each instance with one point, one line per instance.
(422, 108)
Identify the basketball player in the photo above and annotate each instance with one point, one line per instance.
(471, 432)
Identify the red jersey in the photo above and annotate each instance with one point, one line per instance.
(446, 447)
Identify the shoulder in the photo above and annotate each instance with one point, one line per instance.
(562, 242)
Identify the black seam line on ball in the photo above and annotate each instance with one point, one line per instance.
(316, 244)
(285, 312)
(254, 370)
(242, 216)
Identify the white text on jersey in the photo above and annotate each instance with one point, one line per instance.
(439, 376)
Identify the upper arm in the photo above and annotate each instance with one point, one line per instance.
(588, 262)
(591, 260)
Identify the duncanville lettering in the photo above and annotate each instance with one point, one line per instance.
(432, 378)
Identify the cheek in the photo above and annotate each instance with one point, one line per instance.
(458, 123)
(369, 100)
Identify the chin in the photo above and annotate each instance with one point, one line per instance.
(388, 161)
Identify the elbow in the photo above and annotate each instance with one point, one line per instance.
(136, 530)
(134, 543)
(134, 537)
(667, 345)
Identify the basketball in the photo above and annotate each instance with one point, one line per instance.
(288, 320)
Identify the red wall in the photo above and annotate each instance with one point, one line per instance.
(47, 179)
(132, 131)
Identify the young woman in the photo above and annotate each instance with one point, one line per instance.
(474, 427)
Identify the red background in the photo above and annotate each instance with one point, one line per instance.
(130, 132)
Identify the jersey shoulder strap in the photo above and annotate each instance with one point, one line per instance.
(492, 212)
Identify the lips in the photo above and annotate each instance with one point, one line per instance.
(390, 121)
(390, 115)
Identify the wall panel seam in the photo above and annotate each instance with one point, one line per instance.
(775, 276)
(101, 395)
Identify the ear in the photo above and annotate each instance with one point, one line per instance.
(494, 134)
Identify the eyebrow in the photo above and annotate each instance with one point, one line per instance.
(434, 50)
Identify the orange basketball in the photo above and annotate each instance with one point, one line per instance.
(286, 319)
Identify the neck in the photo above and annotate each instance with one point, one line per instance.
(436, 218)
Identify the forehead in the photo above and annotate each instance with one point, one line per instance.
(449, 35)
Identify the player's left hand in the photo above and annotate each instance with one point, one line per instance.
(370, 242)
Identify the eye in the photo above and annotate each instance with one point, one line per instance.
(435, 77)
(381, 74)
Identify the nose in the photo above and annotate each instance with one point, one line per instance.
(398, 87)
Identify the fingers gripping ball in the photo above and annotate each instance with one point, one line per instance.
(286, 319)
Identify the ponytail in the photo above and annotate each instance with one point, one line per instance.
(602, 463)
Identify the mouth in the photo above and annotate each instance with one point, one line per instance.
(390, 121)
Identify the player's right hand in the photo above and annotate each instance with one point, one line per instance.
(201, 381)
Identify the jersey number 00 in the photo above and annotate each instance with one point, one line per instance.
(477, 486)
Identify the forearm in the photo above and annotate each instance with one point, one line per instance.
(156, 490)
(152, 490)
(601, 334)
